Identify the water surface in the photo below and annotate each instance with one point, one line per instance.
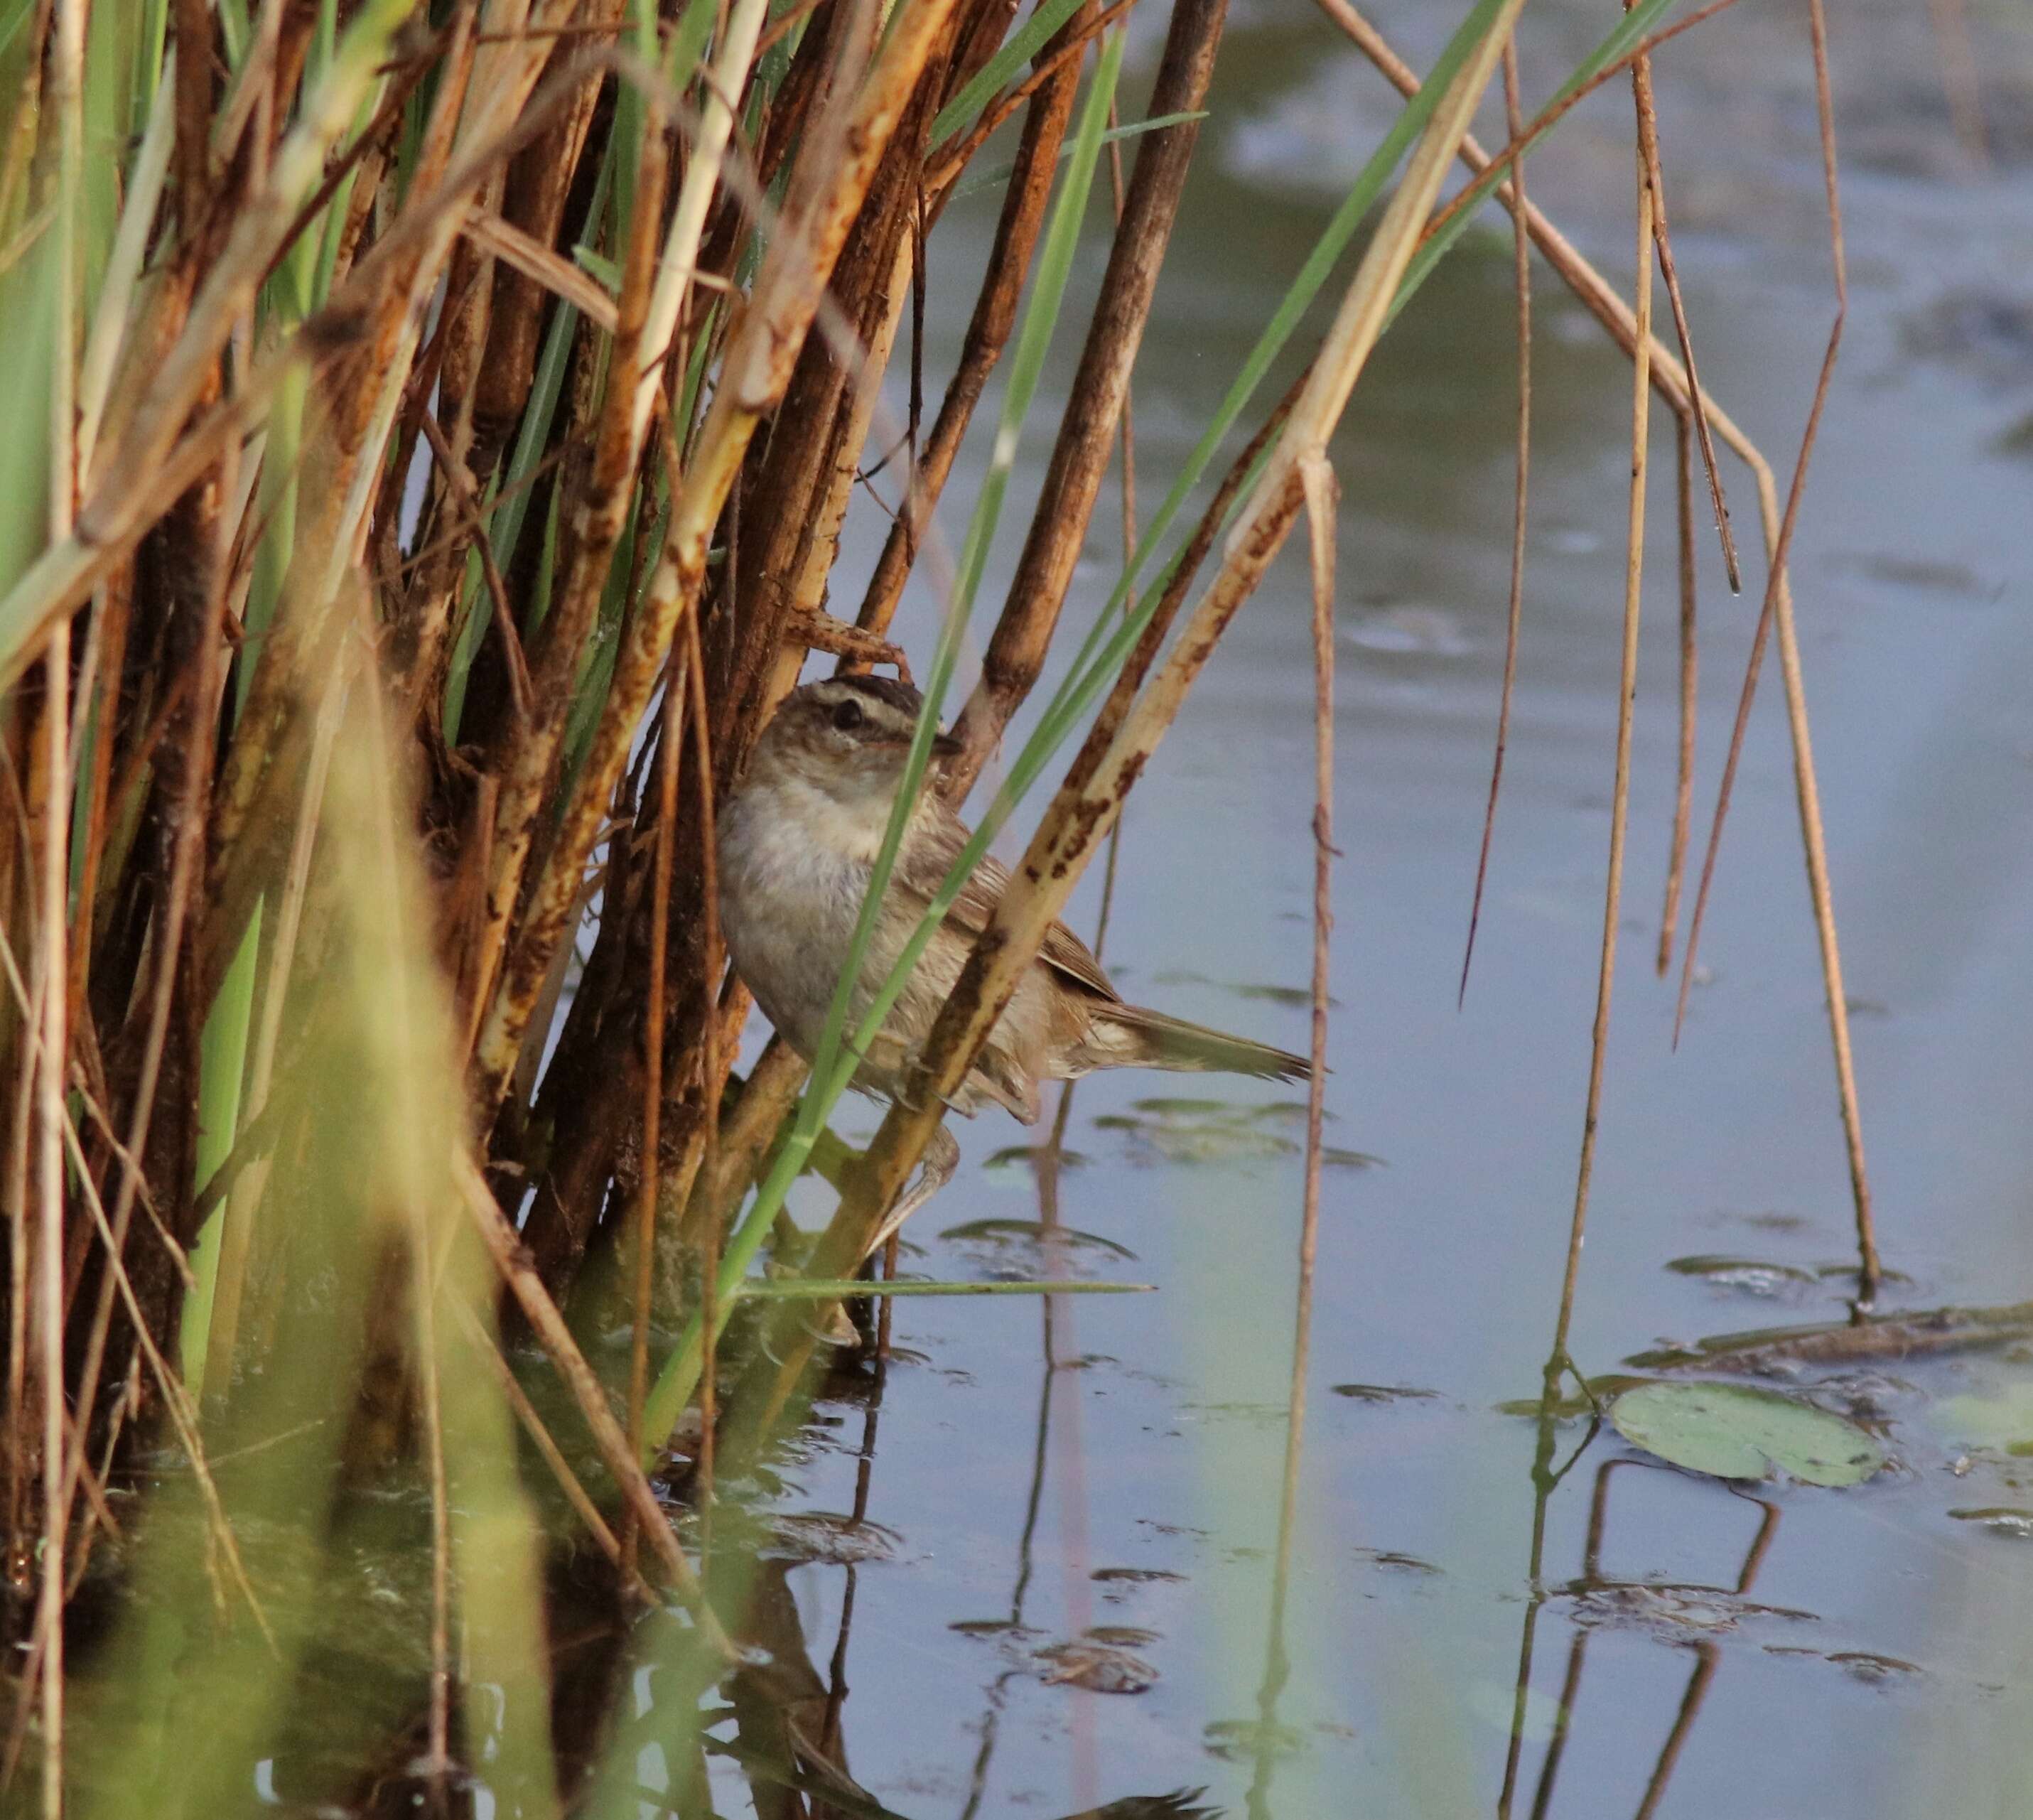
(1115, 1463)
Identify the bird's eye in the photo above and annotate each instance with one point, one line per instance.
(847, 715)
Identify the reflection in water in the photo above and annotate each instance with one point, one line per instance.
(1047, 1161)
(1646, 1595)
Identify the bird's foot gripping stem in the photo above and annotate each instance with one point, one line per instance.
(935, 1170)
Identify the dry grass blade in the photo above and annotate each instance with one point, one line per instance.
(540, 1435)
(988, 333)
(487, 230)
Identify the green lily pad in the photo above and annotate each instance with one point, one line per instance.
(1743, 1434)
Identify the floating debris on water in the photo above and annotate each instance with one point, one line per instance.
(1382, 1393)
(1750, 1276)
(1098, 1668)
(1396, 1562)
(2000, 1519)
(1706, 1611)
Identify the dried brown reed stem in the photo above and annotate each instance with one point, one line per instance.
(1522, 285)
(1684, 784)
(52, 965)
(669, 748)
(1777, 609)
(710, 1064)
(1066, 51)
(52, 976)
(1634, 576)
(988, 332)
(1015, 653)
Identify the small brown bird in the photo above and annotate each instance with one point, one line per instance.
(797, 844)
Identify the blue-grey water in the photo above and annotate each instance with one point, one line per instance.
(1876, 1664)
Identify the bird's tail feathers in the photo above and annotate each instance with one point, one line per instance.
(1151, 1039)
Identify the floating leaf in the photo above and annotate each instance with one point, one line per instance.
(1742, 1434)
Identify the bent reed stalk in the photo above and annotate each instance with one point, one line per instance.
(433, 427)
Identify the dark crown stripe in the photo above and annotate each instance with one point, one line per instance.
(900, 696)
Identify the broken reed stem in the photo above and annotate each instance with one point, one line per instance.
(1522, 286)
(1683, 787)
(1634, 574)
(1777, 609)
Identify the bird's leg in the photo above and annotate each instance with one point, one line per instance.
(935, 1170)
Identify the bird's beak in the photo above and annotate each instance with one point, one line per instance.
(946, 746)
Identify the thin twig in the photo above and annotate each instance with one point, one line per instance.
(1522, 285)
(1634, 573)
(1683, 790)
(1648, 147)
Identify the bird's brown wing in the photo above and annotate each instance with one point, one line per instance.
(928, 857)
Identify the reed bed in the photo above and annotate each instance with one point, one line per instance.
(433, 429)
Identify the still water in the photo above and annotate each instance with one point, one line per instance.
(1107, 1470)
